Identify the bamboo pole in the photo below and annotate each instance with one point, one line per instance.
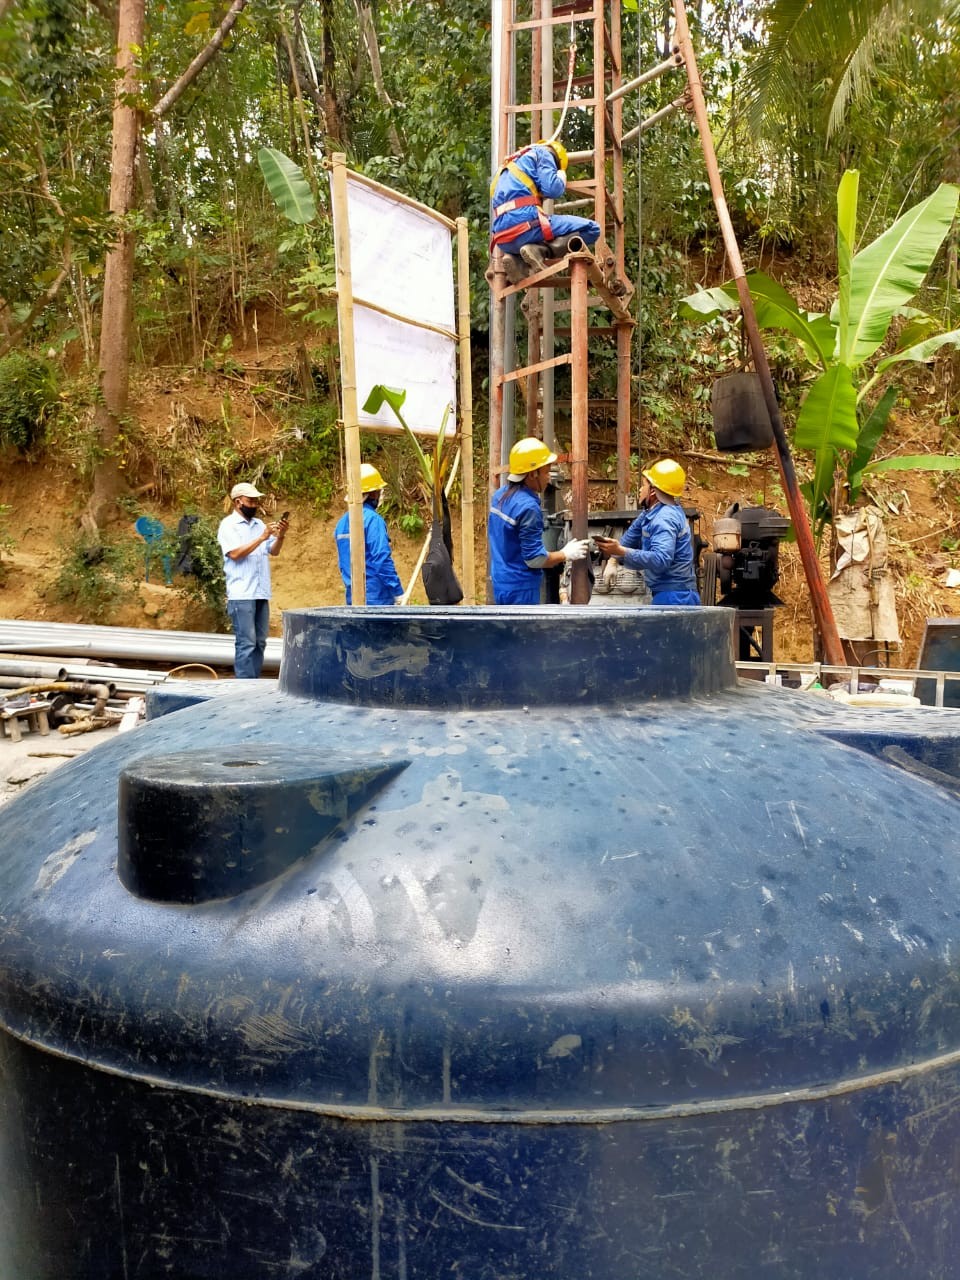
(399, 198)
(348, 379)
(396, 315)
(467, 534)
(579, 579)
(822, 610)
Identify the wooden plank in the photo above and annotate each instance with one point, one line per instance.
(535, 368)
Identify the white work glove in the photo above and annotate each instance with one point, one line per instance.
(576, 549)
(398, 599)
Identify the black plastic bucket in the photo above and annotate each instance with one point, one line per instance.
(740, 418)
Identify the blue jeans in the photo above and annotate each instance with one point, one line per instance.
(251, 622)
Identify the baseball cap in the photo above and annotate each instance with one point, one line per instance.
(245, 491)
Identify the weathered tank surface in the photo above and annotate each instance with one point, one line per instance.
(495, 944)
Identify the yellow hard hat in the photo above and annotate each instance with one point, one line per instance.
(370, 479)
(529, 454)
(559, 150)
(667, 476)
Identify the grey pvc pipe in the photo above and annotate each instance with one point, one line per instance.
(128, 643)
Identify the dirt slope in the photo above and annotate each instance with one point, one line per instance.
(44, 501)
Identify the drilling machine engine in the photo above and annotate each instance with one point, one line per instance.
(746, 543)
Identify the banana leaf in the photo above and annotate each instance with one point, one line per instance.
(887, 273)
(915, 462)
(868, 439)
(287, 185)
(827, 423)
(775, 310)
(922, 351)
(433, 469)
(707, 304)
(847, 193)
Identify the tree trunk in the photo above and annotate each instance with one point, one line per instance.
(114, 374)
(372, 46)
(118, 274)
(331, 105)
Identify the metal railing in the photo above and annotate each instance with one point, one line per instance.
(854, 676)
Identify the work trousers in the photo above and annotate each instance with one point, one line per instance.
(676, 597)
(251, 622)
(517, 595)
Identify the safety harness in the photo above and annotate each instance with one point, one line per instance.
(533, 200)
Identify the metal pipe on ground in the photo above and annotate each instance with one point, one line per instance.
(127, 643)
(35, 669)
(100, 675)
(99, 692)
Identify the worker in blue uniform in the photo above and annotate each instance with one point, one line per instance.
(517, 555)
(519, 224)
(383, 584)
(658, 542)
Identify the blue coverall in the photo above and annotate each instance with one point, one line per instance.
(383, 584)
(515, 540)
(659, 544)
(540, 165)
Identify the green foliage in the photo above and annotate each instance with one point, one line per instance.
(305, 457)
(876, 285)
(7, 542)
(206, 583)
(28, 396)
(412, 523)
(677, 366)
(98, 579)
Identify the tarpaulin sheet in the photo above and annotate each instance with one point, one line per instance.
(401, 259)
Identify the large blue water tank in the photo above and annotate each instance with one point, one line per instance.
(495, 945)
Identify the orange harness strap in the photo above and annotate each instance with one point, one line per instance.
(514, 233)
(519, 202)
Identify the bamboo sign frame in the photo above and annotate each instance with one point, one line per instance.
(423, 341)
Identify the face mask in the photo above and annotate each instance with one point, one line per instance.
(247, 512)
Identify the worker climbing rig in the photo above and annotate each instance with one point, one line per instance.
(564, 283)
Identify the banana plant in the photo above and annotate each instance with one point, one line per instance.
(838, 422)
(434, 468)
(439, 579)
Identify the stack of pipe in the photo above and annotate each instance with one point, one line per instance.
(17, 672)
(76, 706)
(125, 643)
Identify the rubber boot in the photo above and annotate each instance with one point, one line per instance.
(534, 255)
(515, 268)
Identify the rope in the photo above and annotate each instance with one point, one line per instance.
(639, 270)
(571, 64)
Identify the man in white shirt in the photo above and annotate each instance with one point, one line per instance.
(246, 543)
